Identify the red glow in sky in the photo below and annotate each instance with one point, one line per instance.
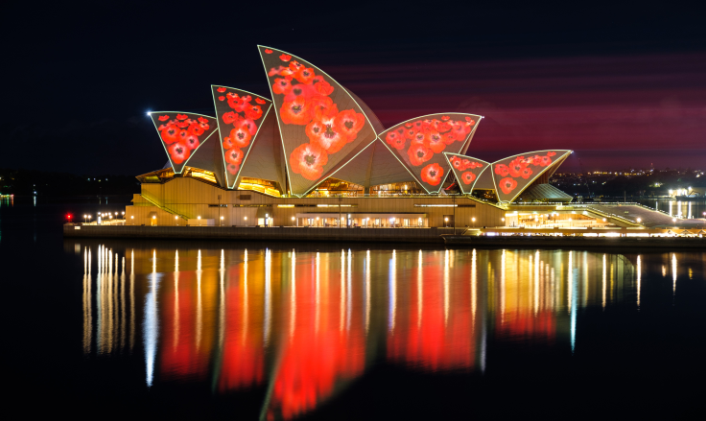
(612, 110)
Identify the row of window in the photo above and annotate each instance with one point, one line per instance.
(333, 206)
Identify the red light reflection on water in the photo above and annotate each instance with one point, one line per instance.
(243, 350)
(180, 356)
(323, 344)
(435, 332)
(308, 329)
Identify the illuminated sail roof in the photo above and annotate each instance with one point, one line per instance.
(240, 116)
(467, 170)
(182, 134)
(314, 129)
(418, 144)
(512, 175)
(322, 126)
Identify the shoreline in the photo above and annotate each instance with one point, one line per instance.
(438, 236)
(252, 233)
(577, 242)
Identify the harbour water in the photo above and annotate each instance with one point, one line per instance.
(367, 331)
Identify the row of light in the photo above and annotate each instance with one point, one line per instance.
(639, 220)
(101, 215)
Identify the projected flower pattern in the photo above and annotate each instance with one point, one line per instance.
(307, 102)
(419, 143)
(182, 134)
(465, 166)
(520, 170)
(239, 117)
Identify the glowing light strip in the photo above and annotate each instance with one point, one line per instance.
(150, 324)
(367, 291)
(639, 278)
(392, 287)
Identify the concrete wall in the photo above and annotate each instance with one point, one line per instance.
(190, 198)
(628, 243)
(395, 235)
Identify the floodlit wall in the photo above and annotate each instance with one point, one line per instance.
(182, 134)
(240, 116)
(190, 198)
(418, 144)
(513, 174)
(321, 125)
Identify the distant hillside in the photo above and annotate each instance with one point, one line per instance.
(51, 184)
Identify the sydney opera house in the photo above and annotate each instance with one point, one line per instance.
(314, 154)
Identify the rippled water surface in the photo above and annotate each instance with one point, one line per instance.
(336, 331)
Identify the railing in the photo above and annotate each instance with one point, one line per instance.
(612, 215)
(485, 202)
(162, 207)
(376, 196)
(538, 204)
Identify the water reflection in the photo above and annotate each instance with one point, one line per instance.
(301, 325)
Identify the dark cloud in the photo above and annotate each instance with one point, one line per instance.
(621, 85)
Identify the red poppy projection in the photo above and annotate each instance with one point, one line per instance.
(240, 116)
(420, 143)
(467, 170)
(322, 126)
(182, 134)
(511, 175)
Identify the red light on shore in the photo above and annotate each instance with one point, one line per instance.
(68, 217)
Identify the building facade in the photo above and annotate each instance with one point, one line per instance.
(315, 155)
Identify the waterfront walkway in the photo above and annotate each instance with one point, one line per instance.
(650, 218)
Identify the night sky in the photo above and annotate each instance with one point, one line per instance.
(623, 86)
